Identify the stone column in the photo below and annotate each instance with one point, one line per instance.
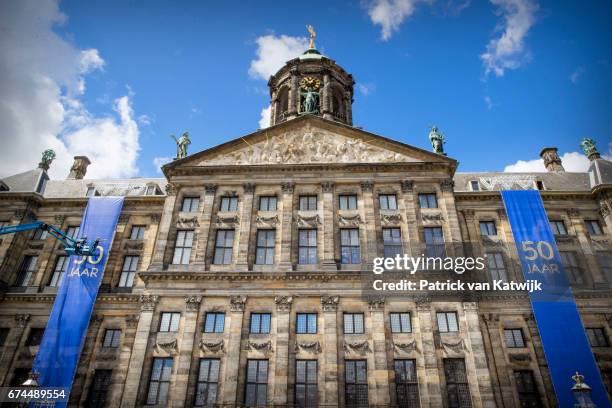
(229, 388)
(242, 263)
(157, 262)
(329, 260)
(473, 230)
(369, 229)
(381, 371)
(178, 393)
(348, 106)
(500, 372)
(205, 221)
(330, 349)
(452, 232)
(283, 309)
(429, 354)
(286, 226)
(326, 96)
(11, 344)
(139, 350)
(478, 358)
(413, 238)
(294, 95)
(127, 342)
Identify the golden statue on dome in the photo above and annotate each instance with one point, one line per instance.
(313, 35)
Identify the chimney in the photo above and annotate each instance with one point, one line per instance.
(552, 161)
(79, 167)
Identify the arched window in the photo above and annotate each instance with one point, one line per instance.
(338, 103)
(283, 103)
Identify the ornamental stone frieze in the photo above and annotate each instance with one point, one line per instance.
(155, 218)
(367, 185)
(407, 186)
(265, 347)
(170, 189)
(406, 347)
(212, 346)
(248, 187)
(327, 186)
(312, 347)
(22, 319)
(133, 245)
(349, 220)
(357, 347)
(307, 221)
(165, 345)
(192, 303)
(329, 303)
(376, 303)
(267, 221)
(520, 358)
(453, 347)
(59, 219)
(390, 219)
(237, 303)
(283, 303)
(131, 321)
(210, 188)
(447, 185)
(229, 220)
(187, 222)
(148, 302)
(436, 217)
(287, 187)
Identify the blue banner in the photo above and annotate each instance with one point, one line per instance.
(564, 340)
(60, 349)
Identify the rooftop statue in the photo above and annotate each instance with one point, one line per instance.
(437, 140)
(47, 157)
(588, 146)
(181, 145)
(313, 35)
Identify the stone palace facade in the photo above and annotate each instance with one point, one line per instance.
(236, 279)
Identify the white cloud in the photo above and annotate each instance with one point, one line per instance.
(160, 161)
(264, 120)
(366, 88)
(572, 161)
(272, 53)
(575, 76)
(390, 14)
(508, 51)
(145, 120)
(42, 77)
(488, 101)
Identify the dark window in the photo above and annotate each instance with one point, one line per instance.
(111, 338)
(593, 227)
(99, 388)
(137, 232)
(20, 375)
(604, 260)
(571, 267)
(256, 383)
(214, 322)
(190, 204)
(488, 228)
(540, 185)
(349, 246)
(558, 227)
(260, 323)
(387, 201)
(406, 384)
(73, 232)
(159, 384)
(61, 263)
(128, 271)
(169, 321)
(447, 322)
(39, 234)
(266, 241)
(4, 331)
(35, 337)
(428, 200)
(400, 322)
(307, 246)
(434, 242)
(356, 372)
(151, 190)
(597, 337)
(475, 185)
(267, 203)
(457, 388)
(308, 203)
(224, 247)
(392, 242)
(229, 204)
(306, 323)
(26, 270)
(208, 383)
(182, 247)
(353, 323)
(497, 268)
(348, 202)
(514, 338)
(527, 390)
(306, 383)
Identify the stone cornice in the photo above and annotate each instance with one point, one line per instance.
(496, 195)
(247, 276)
(50, 298)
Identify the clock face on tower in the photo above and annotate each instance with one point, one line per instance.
(310, 82)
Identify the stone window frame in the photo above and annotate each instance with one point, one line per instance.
(556, 222)
(139, 227)
(160, 380)
(359, 386)
(381, 194)
(216, 314)
(257, 382)
(307, 317)
(216, 247)
(531, 393)
(428, 194)
(307, 381)
(191, 200)
(129, 271)
(267, 197)
(601, 341)
(175, 245)
(261, 326)
(406, 387)
(352, 315)
(513, 331)
(29, 271)
(399, 316)
(465, 384)
(265, 248)
(308, 247)
(171, 321)
(446, 313)
(588, 224)
(114, 339)
(486, 222)
(207, 381)
(61, 272)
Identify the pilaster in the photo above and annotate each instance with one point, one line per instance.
(478, 358)
(381, 371)
(245, 227)
(165, 223)
(229, 388)
(205, 221)
(429, 354)
(286, 226)
(329, 305)
(329, 260)
(283, 309)
(11, 344)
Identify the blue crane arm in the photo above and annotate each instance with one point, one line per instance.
(11, 229)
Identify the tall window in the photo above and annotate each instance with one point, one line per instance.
(229, 204)
(349, 246)
(128, 271)
(457, 387)
(306, 383)
(593, 227)
(406, 384)
(306, 323)
(434, 242)
(558, 227)
(392, 242)
(308, 203)
(208, 382)
(387, 201)
(256, 383)
(73, 231)
(400, 322)
(137, 232)
(214, 322)
(604, 260)
(4, 331)
(61, 263)
(26, 270)
(447, 322)
(182, 248)
(224, 247)
(348, 202)
(190, 204)
(488, 228)
(356, 392)
(169, 321)
(497, 268)
(267, 203)
(99, 388)
(571, 267)
(428, 200)
(597, 337)
(527, 389)
(159, 384)
(307, 246)
(266, 241)
(260, 323)
(111, 338)
(353, 323)
(514, 338)
(35, 337)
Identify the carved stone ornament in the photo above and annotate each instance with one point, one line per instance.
(468, 214)
(134, 245)
(283, 303)
(155, 218)
(604, 210)
(210, 188)
(367, 185)
(271, 220)
(432, 217)
(170, 189)
(406, 347)
(447, 185)
(390, 219)
(313, 347)
(169, 347)
(22, 319)
(248, 187)
(265, 347)
(187, 222)
(227, 220)
(359, 347)
(508, 182)
(36, 244)
(287, 187)
(307, 221)
(573, 212)
(501, 213)
(237, 303)
(349, 220)
(520, 358)
(59, 219)
(327, 186)
(376, 303)
(131, 321)
(329, 303)
(406, 185)
(192, 303)
(456, 347)
(148, 302)
(212, 346)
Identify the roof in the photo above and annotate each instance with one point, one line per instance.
(75, 188)
(496, 181)
(26, 182)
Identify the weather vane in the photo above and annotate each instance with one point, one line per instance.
(313, 35)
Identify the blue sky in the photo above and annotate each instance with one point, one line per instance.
(146, 69)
